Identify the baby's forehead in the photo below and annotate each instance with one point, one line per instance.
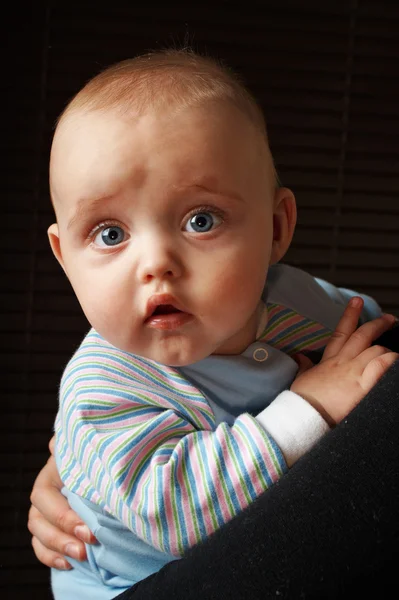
(84, 133)
(195, 126)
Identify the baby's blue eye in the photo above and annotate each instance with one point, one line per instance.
(202, 222)
(110, 236)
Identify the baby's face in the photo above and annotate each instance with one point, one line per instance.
(165, 228)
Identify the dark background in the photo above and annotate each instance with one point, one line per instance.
(326, 74)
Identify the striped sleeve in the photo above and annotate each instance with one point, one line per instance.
(140, 440)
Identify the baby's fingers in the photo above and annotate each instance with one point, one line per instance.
(376, 368)
(363, 337)
(345, 327)
(350, 345)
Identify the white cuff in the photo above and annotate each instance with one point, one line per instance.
(294, 425)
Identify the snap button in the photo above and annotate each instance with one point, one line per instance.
(260, 354)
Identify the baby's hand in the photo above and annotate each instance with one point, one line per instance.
(350, 366)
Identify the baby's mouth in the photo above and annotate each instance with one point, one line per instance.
(165, 309)
(163, 313)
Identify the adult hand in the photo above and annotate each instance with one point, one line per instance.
(56, 529)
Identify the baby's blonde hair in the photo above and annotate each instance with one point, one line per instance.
(171, 79)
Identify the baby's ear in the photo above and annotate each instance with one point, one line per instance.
(284, 221)
(54, 239)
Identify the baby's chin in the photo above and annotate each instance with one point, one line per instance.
(175, 354)
(176, 358)
(177, 350)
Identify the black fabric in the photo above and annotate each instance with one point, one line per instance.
(390, 339)
(327, 529)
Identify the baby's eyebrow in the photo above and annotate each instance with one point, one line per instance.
(212, 189)
(85, 207)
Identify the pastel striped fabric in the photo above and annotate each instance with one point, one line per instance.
(139, 440)
(290, 332)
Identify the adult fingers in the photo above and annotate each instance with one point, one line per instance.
(51, 445)
(46, 497)
(51, 543)
(48, 557)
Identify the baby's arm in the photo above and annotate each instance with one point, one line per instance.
(150, 455)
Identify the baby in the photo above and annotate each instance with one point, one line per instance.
(184, 402)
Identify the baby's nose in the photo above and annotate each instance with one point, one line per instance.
(159, 263)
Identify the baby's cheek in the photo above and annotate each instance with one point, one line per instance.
(233, 294)
(102, 310)
(244, 280)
